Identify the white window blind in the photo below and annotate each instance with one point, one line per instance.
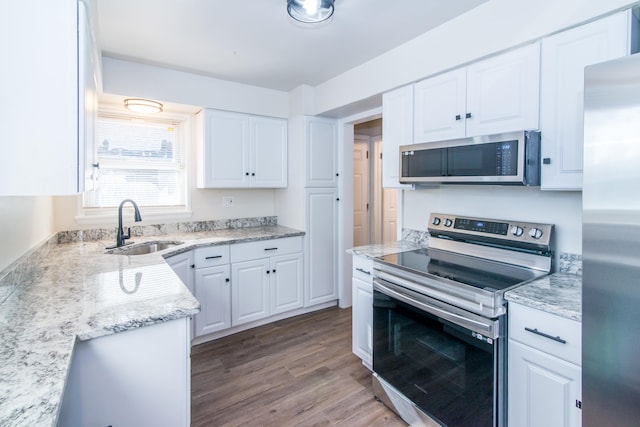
(140, 159)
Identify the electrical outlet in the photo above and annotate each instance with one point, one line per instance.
(227, 202)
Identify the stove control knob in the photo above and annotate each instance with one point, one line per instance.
(436, 221)
(517, 231)
(536, 233)
(448, 222)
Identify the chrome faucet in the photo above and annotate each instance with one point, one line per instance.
(120, 237)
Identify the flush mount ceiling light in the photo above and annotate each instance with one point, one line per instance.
(310, 11)
(142, 105)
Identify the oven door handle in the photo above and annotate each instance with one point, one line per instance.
(486, 328)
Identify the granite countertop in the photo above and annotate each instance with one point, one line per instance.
(558, 293)
(78, 292)
(372, 251)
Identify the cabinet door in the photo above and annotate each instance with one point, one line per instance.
(397, 113)
(224, 154)
(286, 283)
(440, 107)
(250, 291)
(503, 92)
(322, 152)
(42, 68)
(362, 320)
(543, 390)
(182, 265)
(564, 57)
(212, 289)
(268, 148)
(321, 264)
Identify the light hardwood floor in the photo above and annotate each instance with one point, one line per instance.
(294, 372)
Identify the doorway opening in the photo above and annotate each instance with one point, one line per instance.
(374, 208)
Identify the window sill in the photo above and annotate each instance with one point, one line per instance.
(149, 216)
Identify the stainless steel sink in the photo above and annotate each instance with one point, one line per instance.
(143, 248)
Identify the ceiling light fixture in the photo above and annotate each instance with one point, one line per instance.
(310, 11)
(142, 105)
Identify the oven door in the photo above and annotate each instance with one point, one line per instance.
(434, 356)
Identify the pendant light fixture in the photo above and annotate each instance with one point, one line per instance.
(310, 11)
(140, 105)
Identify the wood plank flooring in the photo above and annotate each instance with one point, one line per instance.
(294, 372)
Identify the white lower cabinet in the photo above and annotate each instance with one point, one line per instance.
(544, 380)
(213, 290)
(140, 377)
(250, 291)
(362, 309)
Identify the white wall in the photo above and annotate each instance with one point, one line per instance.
(24, 222)
(133, 79)
(491, 27)
(564, 209)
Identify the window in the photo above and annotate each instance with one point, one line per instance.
(140, 158)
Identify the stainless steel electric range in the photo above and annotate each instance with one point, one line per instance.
(439, 318)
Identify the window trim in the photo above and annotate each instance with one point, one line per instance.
(151, 214)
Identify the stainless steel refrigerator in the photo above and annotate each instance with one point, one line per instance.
(611, 245)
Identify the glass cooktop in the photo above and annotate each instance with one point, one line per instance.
(477, 272)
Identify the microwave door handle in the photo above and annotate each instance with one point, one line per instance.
(436, 311)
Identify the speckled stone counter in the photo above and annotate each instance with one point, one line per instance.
(69, 291)
(372, 251)
(558, 293)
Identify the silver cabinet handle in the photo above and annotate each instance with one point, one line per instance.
(542, 334)
(363, 271)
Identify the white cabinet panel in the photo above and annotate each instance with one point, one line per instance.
(139, 377)
(213, 290)
(268, 160)
(49, 81)
(182, 265)
(440, 105)
(496, 95)
(250, 291)
(241, 151)
(322, 152)
(321, 255)
(286, 283)
(564, 57)
(543, 390)
(544, 375)
(397, 113)
(503, 92)
(362, 321)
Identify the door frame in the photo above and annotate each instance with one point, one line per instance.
(345, 209)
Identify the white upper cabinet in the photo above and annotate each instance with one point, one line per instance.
(397, 113)
(440, 106)
(241, 151)
(49, 81)
(564, 57)
(496, 95)
(322, 152)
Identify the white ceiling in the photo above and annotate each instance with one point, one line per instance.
(255, 42)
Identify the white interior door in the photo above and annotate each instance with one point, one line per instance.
(361, 223)
(385, 205)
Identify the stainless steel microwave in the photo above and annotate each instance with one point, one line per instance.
(505, 159)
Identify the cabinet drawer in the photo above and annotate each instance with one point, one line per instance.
(544, 331)
(363, 268)
(211, 256)
(265, 248)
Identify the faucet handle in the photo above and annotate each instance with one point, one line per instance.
(128, 236)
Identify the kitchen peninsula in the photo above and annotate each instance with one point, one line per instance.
(69, 291)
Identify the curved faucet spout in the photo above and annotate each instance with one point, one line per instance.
(120, 236)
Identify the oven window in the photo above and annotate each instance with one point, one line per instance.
(438, 365)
